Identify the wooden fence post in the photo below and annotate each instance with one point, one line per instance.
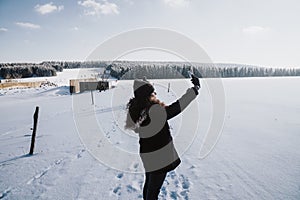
(92, 97)
(35, 119)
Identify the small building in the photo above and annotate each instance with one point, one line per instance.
(81, 85)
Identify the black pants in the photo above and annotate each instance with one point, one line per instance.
(152, 186)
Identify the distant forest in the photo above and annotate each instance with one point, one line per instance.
(138, 69)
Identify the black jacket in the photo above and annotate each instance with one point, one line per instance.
(157, 150)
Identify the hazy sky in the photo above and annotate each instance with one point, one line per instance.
(260, 32)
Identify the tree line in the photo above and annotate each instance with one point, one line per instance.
(165, 70)
(138, 69)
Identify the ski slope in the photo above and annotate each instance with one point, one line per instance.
(256, 157)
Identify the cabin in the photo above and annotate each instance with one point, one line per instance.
(81, 85)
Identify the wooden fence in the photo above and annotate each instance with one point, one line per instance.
(21, 84)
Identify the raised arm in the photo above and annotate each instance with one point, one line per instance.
(178, 106)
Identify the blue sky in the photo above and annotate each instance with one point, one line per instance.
(260, 32)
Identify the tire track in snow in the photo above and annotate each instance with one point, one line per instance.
(227, 178)
(30, 181)
(251, 185)
(41, 174)
(47, 184)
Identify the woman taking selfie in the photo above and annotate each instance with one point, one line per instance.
(148, 117)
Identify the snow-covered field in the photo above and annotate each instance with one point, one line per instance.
(256, 157)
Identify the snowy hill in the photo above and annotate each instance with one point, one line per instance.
(256, 157)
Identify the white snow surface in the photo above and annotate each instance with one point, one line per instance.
(256, 157)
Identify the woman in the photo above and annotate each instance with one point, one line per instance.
(148, 117)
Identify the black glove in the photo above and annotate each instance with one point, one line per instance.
(195, 81)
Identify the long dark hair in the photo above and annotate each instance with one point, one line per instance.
(135, 107)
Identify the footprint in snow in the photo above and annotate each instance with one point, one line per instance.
(120, 175)
(130, 189)
(181, 183)
(184, 182)
(5, 193)
(79, 155)
(136, 165)
(172, 174)
(117, 190)
(174, 195)
(163, 191)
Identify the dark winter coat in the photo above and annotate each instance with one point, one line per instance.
(157, 150)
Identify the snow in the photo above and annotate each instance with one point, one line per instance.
(256, 157)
